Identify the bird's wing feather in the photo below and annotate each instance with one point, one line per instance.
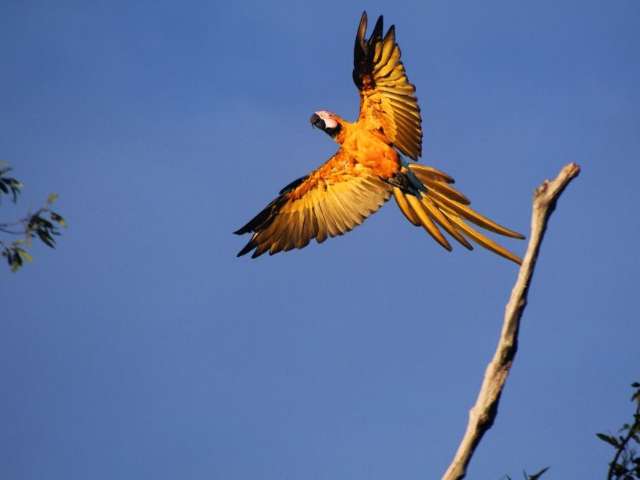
(330, 201)
(387, 99)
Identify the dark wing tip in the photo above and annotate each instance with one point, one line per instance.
(360, 51)
(263, 219)
(253, 223)
(293, 185)
(364, 49)
(377, 29)
(247, 248)
(391, 34)
(252, 245)
(362, 29)
(267, 214)
(376, 36)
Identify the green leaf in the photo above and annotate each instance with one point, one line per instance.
(46, 238)
(610, 439)
(618, 469)
(58, 218)
(15, 261)
(52, 198)
(537, 475)
(24, 255)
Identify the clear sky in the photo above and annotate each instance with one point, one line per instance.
(142, 348)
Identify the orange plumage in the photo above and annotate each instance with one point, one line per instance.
(367, 168)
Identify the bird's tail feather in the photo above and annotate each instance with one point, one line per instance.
(436, 203)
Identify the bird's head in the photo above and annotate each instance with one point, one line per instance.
(328, 122)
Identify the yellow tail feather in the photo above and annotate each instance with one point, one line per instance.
(428, 225)
(405, 208)
(442, 205)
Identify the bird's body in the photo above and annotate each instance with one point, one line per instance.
(368, 168)
(367, 148)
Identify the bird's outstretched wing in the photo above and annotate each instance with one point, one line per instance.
(330, 201)
(387, 98)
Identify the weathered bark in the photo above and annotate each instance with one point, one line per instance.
(485, 410)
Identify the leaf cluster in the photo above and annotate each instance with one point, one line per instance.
(9, 184)
(44, 224)
(625, 464)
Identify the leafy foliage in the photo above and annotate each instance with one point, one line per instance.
(626, 460)
(9, 184)
(43, 224)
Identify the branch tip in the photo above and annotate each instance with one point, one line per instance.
(483, 414)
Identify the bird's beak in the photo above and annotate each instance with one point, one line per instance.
(317, 122)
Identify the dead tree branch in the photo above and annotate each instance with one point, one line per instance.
(485, 410)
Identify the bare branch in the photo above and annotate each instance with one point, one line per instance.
(485, 410)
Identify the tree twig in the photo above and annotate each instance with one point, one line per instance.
(617, 470)
(485, 410)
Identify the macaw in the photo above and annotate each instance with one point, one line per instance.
(368, 168)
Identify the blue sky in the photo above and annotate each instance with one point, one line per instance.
(142, 348)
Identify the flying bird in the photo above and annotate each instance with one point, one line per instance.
(369, 167)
